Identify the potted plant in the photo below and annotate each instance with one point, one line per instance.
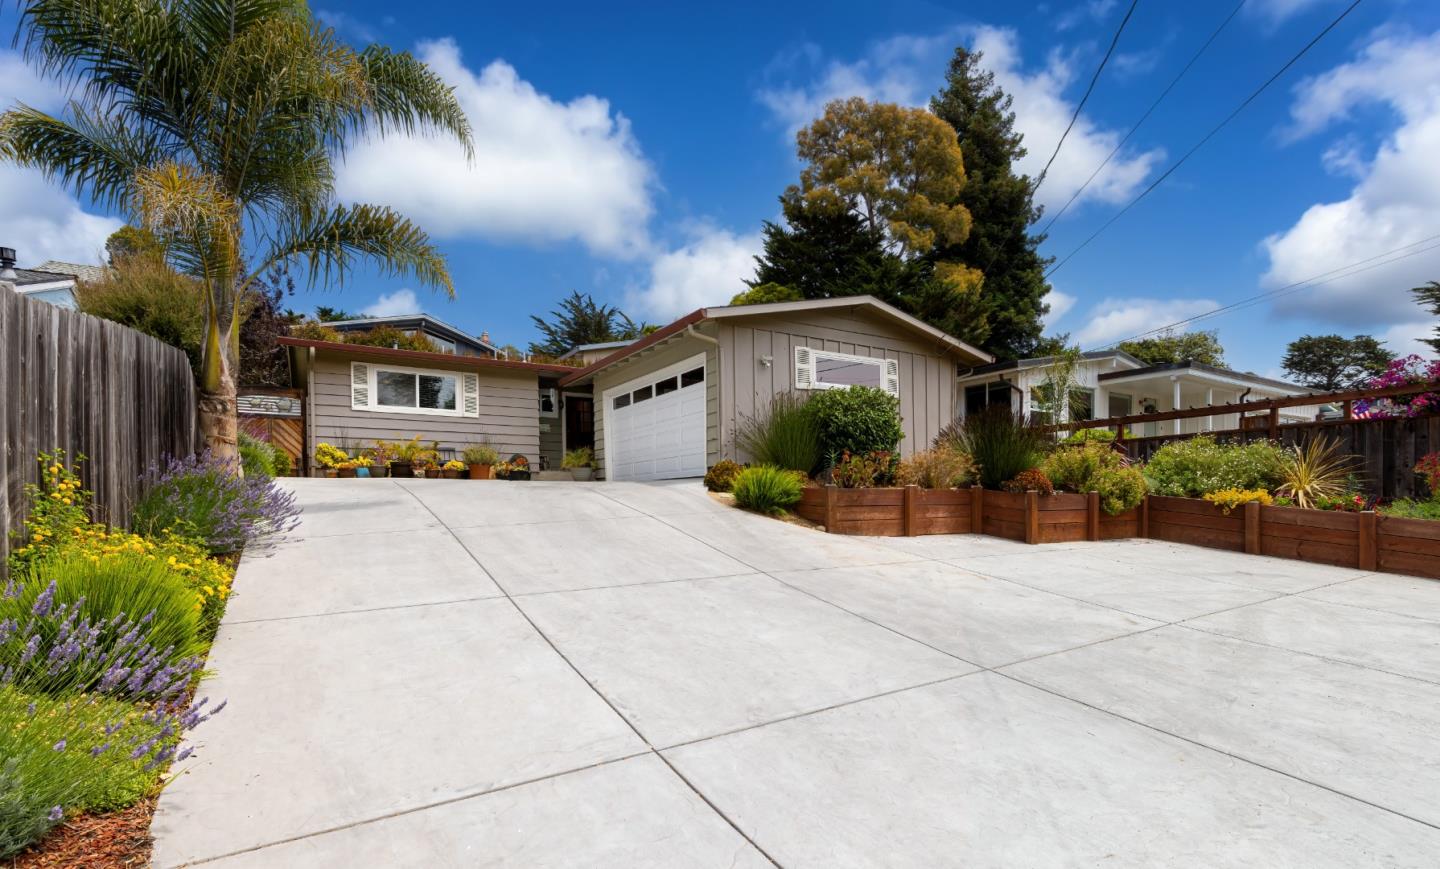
(580, 463)
(380, 457)
(345, 468)
(330, 458)
(451, 469)
(361, 464)
(403, 464)
(519, 468)
(480, 459)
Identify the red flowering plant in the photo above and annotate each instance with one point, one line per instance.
(1429, 468)
(1406, 370)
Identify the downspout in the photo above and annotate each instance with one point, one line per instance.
(719, 401)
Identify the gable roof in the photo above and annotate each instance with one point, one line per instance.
(1041, 361)
(79, 271)
(1202, 368)
(603, 345)
(735, 312)
(34, 278)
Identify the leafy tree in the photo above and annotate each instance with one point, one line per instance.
(1332, 362)
(761, 294)
(1428, 297)
(896, 168)
(130, 240)
(142, 291)
(1202, 347)
(1001, 207)
(215, 122)
(263, 362)
(581, 320)
(327, 314)
(822, 254)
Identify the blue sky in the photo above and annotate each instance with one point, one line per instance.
(632, 152)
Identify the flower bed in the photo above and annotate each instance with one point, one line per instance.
(912, 511)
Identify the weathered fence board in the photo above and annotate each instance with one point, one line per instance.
(93, 388)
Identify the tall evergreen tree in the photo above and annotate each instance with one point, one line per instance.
(582, 320)
(1001, 206)
(1428, 297)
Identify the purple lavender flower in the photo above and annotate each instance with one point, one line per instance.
(56, 813)
(45, 600)
(201, 496)
(59, 746)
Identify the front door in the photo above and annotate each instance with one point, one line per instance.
(579, 422)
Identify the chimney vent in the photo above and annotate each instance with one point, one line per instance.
(7, 263)
(485, 337)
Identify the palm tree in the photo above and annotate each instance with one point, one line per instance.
(215, 124)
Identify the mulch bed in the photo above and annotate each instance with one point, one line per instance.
(105, 841)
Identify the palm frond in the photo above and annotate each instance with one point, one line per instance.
(198, 219)
(97, 156)
(408, 96)
(332, 245)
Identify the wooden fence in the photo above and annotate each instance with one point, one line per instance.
(275, 415)
(93, 388)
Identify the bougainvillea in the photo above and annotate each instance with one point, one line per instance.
(1404, 371)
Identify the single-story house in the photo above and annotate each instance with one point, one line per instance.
(354, 395)
(1112, 383)
(448, 338)
(665, 406)
(52, 282)
(670, 404)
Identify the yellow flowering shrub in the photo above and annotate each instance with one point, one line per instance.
(58, 505)
(1229, 499)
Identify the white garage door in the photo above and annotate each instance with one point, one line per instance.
(655, 425)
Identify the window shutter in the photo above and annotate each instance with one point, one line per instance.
(359, 386)
(470, 394)
(804, 368)
(892, 377)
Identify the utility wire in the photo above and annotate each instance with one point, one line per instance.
(1334, 274)
(1208, 136)
(1115, 40)
(1143, 118)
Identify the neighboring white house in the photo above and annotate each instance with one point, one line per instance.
(52, 282)
(1111, 383)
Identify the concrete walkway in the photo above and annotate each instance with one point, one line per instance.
(440, 673)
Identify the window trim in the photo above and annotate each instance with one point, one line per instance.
(372, 373)
(554, 402)
(807, 372)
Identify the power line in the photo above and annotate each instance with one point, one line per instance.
(1115, 40)
(1143, 118)
(1334, 274)
(1208, 136)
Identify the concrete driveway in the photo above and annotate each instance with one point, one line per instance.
(442, 673)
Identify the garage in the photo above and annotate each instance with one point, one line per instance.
(655, 425)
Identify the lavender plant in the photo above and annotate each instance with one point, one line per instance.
(202, 497)
(90, 712)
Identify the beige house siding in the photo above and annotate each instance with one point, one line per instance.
(678, 349)
(927, 374)
(508, 410)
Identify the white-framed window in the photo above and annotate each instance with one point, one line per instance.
(397, 389)
(826, 369)
(549, 401)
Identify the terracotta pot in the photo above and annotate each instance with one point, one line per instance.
(432, 473)
(450, 474)
(482, 472)
(344, 472)
(402, 469)
(327, 472)
(379, 471)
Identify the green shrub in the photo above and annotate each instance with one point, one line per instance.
(768, 489)
(478, 454)
(1197, 466)
(142, 291)
(581, 457)
(721, 476)
(1002, 443)
(865, 472)
(786, 435)
(858, 420)
(104, 588)
(939, 468)
(1410, 508)
(1120, 489)
(261, 458)
(1032, 480)
(1089, 435)
(1074, 468)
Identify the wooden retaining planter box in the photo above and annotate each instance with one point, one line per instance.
(1361, 540)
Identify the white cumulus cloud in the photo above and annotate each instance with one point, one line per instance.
(909, 69)
(1060, 304)
(39, 219)
(544, 171)
(709, 269)
(1396, 198)
(1117, 319)
(394, 304)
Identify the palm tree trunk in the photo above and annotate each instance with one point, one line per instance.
(218, 423)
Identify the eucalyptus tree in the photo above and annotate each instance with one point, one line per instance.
(216, 124)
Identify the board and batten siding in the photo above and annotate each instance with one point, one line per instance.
(509, 410)
(927, 374)
(677, 349)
